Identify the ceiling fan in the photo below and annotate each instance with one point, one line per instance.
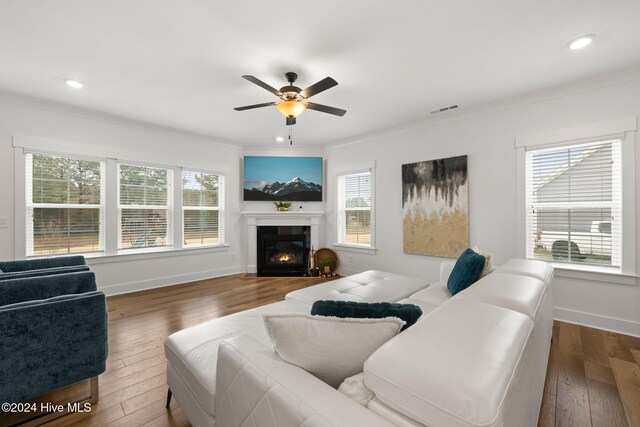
(293, 99)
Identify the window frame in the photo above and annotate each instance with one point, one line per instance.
(614, 205)
(110, 200)
(623, 129)
(29, 205)
(220, 208)
(340, 243)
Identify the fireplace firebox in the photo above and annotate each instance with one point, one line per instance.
(283, 250)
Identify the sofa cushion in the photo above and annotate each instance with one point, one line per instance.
(455, 367)
(467, 270)
(520, 293)
(256, 388)
(369, 286)
(329, 348)
(527, 267)
(410, 313)
(435, 294)
(193, 352)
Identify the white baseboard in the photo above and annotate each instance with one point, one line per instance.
(607, 323)
(126, 288)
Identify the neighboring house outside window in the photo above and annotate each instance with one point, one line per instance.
(64, 205)
(354, 209)
(574, 204)
(202, 204)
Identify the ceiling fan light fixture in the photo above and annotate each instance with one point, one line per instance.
(291, 108)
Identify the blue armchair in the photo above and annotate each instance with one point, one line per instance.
(53, 327)
(41, 267)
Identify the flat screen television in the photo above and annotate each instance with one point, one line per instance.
(295, 179)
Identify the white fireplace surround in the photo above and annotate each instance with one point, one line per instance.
(259, 218)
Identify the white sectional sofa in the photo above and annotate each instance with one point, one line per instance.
(476, 359)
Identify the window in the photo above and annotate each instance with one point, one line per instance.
(64, 205)
(105, 207)
(574, 203)
(144, 206)
(354, 209)
(202, 204)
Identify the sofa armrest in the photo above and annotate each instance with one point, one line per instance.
(43, 272)
(247, 371)
(42, 287)
(41, 263)
(48, 344)
(446, 267)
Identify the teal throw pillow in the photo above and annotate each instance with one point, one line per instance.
(467, 271)
(375, 310)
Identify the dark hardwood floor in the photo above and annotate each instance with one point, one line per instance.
(134, 387)
(593, 377)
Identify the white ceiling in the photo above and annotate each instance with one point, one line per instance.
(178, 63)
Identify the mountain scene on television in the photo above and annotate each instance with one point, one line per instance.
(283, 178)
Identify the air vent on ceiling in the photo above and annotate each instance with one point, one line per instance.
(443, 109)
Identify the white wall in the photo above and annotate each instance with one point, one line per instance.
(89, 132)
(487, 137)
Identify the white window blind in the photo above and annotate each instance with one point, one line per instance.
(64, 205)
(574, 204)
(144, 206)
(354, 209)
(202, 205)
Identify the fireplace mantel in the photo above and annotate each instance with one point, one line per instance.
(258, 218)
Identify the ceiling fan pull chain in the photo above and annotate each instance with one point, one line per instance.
(290, 132)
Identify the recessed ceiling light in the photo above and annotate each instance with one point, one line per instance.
(581, 42)
(74, 83)
(279, 139)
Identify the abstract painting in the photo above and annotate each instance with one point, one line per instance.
(435, 207)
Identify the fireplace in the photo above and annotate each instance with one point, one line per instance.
(282, 250)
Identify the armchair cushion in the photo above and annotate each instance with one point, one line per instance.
(41, 263)
(42, 287)
(48, 344)
(43, 272)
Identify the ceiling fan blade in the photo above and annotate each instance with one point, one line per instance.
(250, 107)
(262, 84)
(321, 86)
(326, 109)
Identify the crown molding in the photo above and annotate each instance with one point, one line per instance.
(113, 119)
(548, 94)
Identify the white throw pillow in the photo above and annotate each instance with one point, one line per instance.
(330, 348)
(488, 261)
(354, 388)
